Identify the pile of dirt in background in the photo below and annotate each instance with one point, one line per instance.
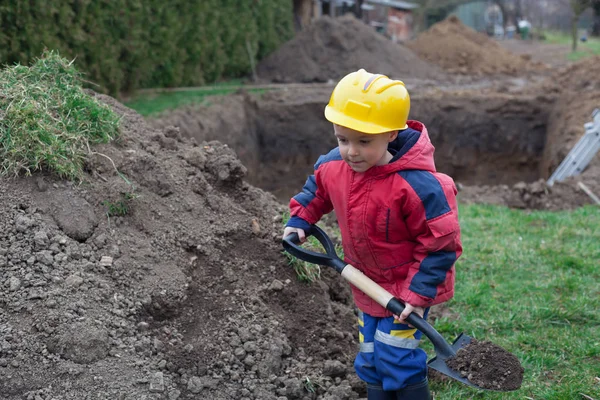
(328, 49)
(183, 293)
(459, 49)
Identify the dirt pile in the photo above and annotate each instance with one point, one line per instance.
(277, 135)
(488, 366)
(579, 76)
(537, 195)
(328, 49)
(461, 50)
(181, 293)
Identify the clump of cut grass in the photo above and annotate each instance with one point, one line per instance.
(120, 207)
(47, 121)
(305, 271)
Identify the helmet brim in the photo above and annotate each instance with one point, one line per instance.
(338, 118)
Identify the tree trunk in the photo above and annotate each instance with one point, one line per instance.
(596, 23)
(302, 13)
(504, 11)
(358, 8)
(574, 21)
(518, 14)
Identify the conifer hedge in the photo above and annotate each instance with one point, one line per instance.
(122, 45)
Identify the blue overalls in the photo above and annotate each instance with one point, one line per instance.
(389, 356)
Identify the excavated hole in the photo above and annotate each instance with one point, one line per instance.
(483, 139)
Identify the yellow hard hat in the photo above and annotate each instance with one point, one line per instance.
(369, 103)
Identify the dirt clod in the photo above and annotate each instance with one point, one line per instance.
(488, 366)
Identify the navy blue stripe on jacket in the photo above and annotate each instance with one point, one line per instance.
(432, 272)
(434, 267)
(429, 190)
(310, 187)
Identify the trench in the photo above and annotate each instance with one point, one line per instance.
(489, 139)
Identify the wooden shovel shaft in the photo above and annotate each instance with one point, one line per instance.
(371, 289)
(384, 298)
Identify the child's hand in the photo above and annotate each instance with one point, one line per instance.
(301, 235)
(408, 309)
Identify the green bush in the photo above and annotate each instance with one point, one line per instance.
(122, 45)
(47, 121)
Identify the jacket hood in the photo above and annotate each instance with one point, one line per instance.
(412, 149)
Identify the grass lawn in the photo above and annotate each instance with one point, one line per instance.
(154, 103)
(530, 282)
(584, 49)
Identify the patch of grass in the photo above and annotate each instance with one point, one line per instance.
(47, 121)
(120, 207)
(155, 103)
(588, 48)
(528, 281)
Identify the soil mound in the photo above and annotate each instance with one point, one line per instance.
(461, 50)
(328, 49)
(579, 76)
(171, 284)
(488, 366)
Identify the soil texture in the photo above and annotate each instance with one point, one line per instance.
(488, 366)
(187, 295)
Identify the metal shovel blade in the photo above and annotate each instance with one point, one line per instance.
(438, 363)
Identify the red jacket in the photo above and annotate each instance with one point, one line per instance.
(399, 221)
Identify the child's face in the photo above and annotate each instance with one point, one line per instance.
(361, 150)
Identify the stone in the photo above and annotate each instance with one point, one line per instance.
(276, 285)
(23, 224)
(195, 385)
(106, 261)
(334, 368)
(41, 239)
(14, 284)
(74, 280)
(157, 383)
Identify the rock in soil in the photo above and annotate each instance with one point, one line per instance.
(488, 366)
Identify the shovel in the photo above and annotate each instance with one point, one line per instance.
(443, 349)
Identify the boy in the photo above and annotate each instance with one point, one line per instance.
(398, 219)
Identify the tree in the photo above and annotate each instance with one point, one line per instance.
(358, 8)
(578, 7)
(302, 13)
(596, 23)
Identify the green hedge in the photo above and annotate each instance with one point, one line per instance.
(122, 45)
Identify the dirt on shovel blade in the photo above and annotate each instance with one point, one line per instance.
(488, 366)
